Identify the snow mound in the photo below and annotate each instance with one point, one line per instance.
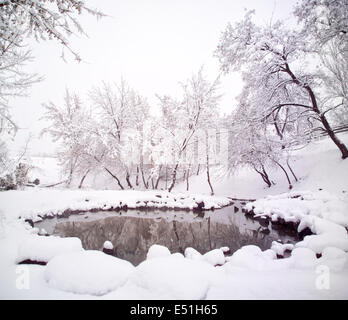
(173, 277)
(225, 249)
(335, 259)
(252, 258)
(303, 258)
(43, 249)
(191, 253)
(327, 234)
(157, 251)
(178, 255)
(318, 243)
(280, 248)
(87, 272)
(108, 245)
(215, 257)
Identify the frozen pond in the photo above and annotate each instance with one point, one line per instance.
(132, 232)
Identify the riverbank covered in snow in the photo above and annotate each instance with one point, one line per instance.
(324, 214)
(37, 203)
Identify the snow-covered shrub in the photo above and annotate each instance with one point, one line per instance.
(16, 178)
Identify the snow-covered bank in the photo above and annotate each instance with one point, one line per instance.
(299, 206)
(326, 215)
(32, 203)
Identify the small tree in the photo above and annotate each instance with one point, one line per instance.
(121, 111)
(14, 169)
(71, 126)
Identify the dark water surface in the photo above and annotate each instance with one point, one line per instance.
(132, 232)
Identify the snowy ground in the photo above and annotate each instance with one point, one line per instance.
(316, 269)
(46, 169)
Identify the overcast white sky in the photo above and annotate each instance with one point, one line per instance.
(152, 44)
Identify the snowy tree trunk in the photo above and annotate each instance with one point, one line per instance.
(159, 177)
(173, 177)
(207, 163)
(166, 176)
(291, 170)
(209, 182)
(128, 180)
(71, 171)
(341, 146)
(83, 178)
(137, 177)
(55, 184)
(187, 178)
(115, 177)
(143, 176)
(263, 175)
(286, 174)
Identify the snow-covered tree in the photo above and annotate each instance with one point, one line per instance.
(71, 127)
(325, 26)
(14, 168)
(254, 143)
(335, 80)
(121, 112)
(106, 133)
(43, 20)
(14, 82)
(273, 54)
(324, 20)
(39, 19)
(183, 118)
